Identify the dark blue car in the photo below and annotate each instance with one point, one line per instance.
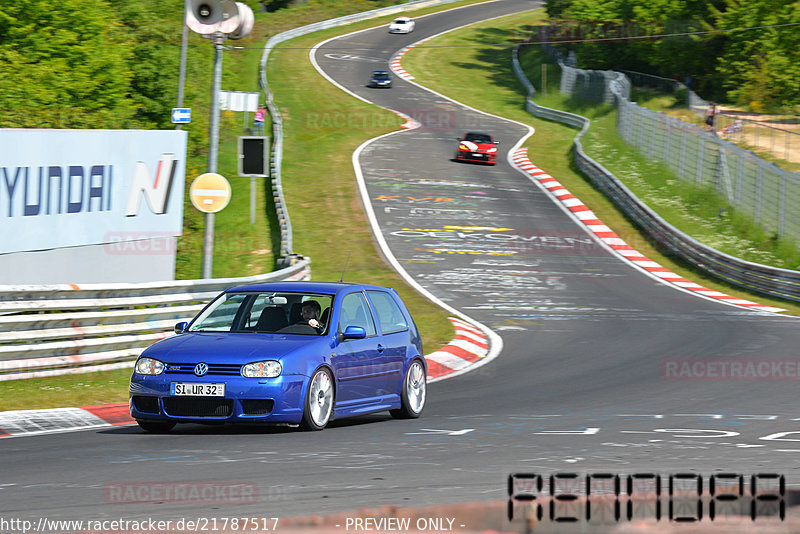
(380, 78)
(287, 352)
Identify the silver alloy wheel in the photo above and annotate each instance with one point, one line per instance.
(320, 400)
(416, 387)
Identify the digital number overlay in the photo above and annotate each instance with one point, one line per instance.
(608, 497)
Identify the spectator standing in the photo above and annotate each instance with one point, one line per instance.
(711, 115)
(258, 120)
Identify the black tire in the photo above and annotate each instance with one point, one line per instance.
(156, 427)
(318, 407)
(412, 396)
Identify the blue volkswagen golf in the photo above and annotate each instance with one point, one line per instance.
(297, 353)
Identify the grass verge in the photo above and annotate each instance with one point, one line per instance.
(482, 77)
(242, 248)
(87, 389)
(323, 127)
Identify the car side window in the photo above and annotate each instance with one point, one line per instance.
(390, 316)
(355, 312)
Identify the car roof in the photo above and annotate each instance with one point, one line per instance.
(404, 19)
(304, 287)
(380, 72)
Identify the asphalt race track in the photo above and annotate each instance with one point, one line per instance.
(582, 383)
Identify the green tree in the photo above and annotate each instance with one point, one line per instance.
(680, 54)
(761, 68)
(153, 30)
(64, 64)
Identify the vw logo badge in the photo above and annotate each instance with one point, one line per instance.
(200, 369)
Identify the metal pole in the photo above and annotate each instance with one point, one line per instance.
(544, 78)
(182, 70)
(208, 241)
(252, 200)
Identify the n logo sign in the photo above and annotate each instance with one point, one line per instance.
(157, 194)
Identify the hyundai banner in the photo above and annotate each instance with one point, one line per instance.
(66, 188)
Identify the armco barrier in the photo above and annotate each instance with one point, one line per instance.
(277, 122)
(772, 281)
(60, 329)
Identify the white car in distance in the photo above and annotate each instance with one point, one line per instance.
(402, 25)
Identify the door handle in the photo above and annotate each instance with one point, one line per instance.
(380, 347)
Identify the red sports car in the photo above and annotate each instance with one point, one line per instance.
(477, 147)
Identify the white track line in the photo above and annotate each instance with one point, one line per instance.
(496, 342)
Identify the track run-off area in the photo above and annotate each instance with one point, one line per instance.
(601, 367)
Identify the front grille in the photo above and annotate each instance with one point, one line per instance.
(213, 369)
(198, 406)
(146, 404)
(257, 406)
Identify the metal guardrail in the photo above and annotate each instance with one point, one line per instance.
(772, 281)
(95, 327)
(275, 114)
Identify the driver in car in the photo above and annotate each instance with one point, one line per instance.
(310, 315)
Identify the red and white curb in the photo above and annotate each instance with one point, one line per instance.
(398, 69)
(620, 247)
(36, 422)
(410, 123)
(469, 346)
(395, 65)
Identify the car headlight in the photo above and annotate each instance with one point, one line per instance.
(265, 369)
(491, 151)
(149, 366)
(463, 147)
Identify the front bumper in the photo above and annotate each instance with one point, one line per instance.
(150, 399)
(476, 156)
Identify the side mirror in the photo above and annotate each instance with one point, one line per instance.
(354, 332)
(497, 142)
(180, 328)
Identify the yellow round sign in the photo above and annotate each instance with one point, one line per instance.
(210, 192)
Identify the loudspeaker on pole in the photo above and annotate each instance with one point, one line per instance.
(246, 21)
(213, 16)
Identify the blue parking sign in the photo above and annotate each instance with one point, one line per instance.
(181, 115)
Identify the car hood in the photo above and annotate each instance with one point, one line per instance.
(227, 347)
(477, 147)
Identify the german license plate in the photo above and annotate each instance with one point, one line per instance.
(197, 389)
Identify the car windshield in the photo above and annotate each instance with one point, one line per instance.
(265, 312)
(399, 21)
(380, 75)
(478, 138)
